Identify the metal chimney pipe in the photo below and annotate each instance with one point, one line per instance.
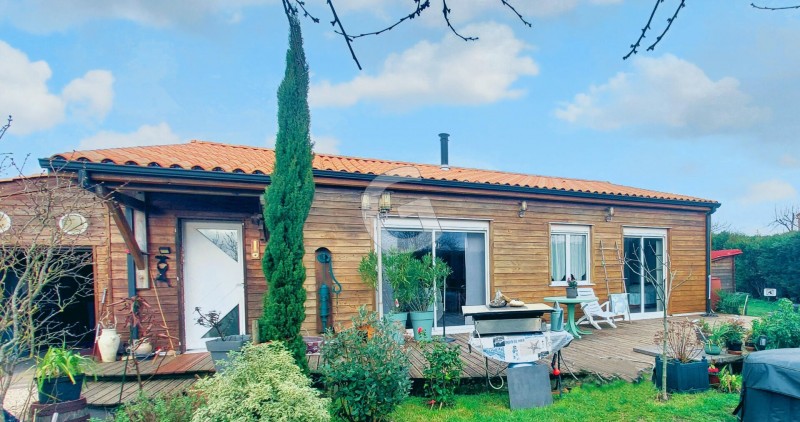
(444, 138)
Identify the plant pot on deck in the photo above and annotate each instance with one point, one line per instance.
(61, 389)
(219, 348)
(712, 349)
(690, 377)
(422, 322)
(398, 320)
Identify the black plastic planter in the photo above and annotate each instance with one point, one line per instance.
(61, 389)
(691, 377)
(219, 349)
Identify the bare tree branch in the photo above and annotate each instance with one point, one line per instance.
(421, 6)
(446, 13)
(774, 8)
(508, 5)
(787, 218)
(647, 27)
(347, 39)
(5, 127)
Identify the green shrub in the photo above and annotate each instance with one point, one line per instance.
(366, 376)
(161, 408)
(782, 327)
(443, 373)
(262, 382)
(731, 302)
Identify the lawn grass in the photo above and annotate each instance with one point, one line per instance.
(759, 307)
(612, 402)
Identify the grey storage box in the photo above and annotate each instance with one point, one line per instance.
(771, 386)
(529, 385)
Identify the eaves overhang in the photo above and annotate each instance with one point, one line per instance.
(263, 180)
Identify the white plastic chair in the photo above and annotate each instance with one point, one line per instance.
(618, 304)
(593, 312)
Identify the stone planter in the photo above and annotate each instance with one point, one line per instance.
(691, 377)
(219, 349)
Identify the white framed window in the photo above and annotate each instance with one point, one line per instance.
(569, 254)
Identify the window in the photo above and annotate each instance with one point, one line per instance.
(569, 254)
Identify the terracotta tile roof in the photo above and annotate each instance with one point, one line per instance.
(212, 156)
(715, 255)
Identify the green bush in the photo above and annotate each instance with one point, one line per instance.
(366, 372)
(443, 373)
(262, 382)
(161, 408)
(781, 327)
(731, 302)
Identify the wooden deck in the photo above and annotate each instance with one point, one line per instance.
(607, 353)
(115, 383)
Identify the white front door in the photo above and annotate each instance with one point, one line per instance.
(213, 279)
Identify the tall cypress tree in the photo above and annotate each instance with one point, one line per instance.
(288, 199)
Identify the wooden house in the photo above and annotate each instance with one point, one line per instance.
(723, 266)
(194, 210)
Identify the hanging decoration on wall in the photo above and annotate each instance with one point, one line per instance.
(162, 266)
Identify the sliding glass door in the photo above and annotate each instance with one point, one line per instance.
(645, 270)
(463, 246)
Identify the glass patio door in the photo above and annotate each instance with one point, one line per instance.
(464, 250)
(645, 271)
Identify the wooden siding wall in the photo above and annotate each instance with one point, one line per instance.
(724, 269)
(519, 247)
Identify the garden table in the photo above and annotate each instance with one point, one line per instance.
(572, 328)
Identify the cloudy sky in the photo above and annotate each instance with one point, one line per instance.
(712, 112)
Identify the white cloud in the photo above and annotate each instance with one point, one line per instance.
(787, 160)
(92, 95)
(769, 191)
(322, 144)
(42, 16)
(25, 95)
(665, 92)
(160, 134)
(448, 72)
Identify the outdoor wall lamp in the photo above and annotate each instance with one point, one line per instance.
(385, 203)
(609, 214)
(523, 206)
(365, 201)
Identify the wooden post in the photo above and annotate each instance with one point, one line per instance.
(254, 331)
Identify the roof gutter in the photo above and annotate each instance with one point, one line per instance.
(263, 179)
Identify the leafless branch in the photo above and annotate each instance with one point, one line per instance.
(5, 127)
(669, 25)
(774, 8)
(647, 27)
(508, 5)
(446, 13)
(787, 218)
(421, 6)
(293, 8)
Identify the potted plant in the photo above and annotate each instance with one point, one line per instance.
(734, 335)
(223, 344)
(398, 273)
(715, 339)
(60, 375)
(713, 374)
(426, 272)
(109, 339)
(572, 287)
(684, 373)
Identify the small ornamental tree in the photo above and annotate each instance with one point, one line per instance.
(288, 201)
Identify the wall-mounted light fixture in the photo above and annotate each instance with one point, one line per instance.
(385, 203)
(609, 214)
(523, 206)
(365, 201)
